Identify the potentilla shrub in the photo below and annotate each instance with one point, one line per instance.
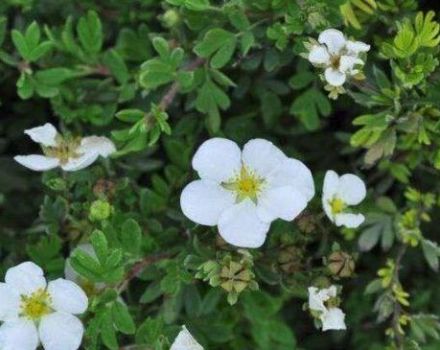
(206, 174)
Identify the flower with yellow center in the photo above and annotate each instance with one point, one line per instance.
(242, 192)
(338, 56)
(324, 303)
(339, 193)
(34, 311)
(69, 153)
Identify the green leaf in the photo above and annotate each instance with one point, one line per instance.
(54, 76)
(108, 332)
(117, 66)
(89, 30)
(122, 318)
(3, 24)
(155, 73)
(218, 43)
(20, 43)
(309, 106)
(100, 245)
(431, 252)
(131, 236)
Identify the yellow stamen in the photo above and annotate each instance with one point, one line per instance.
(35, 306)
(65, 149)
(337, 205)
(246, 185)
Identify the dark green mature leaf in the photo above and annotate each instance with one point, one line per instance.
(309, 106)
(89, 30)
(218, 44)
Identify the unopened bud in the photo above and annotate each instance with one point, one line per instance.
(341, 264)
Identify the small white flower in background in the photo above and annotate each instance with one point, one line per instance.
(33, 311)
(321, 302)
(339, 192)
(244, 191)
(185, 341)
(89, 287)
(337, 55)
(71, 154)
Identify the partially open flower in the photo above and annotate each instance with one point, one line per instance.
(33, 311)
(185, 341)
(69, 153)
(338, 56)
(243, 192)
(324, 304)
(338, 194)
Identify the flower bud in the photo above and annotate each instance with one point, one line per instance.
(341, 264)
(170, 18)
(100, 210)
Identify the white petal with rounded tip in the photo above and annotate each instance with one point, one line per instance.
(352, 189)
(217, 159)
(241, 226)
(334, 77)
(334, 39)
(81, 162)
(67, 296)
(316, 301)
(203, 201)
(295, 173)
(262, 156)
(319, 55)
(349, 220)
(9, 303)
(185, 341)
(61, 331)
(37, 162)
(347, 63)
(331, 185)
(356, 47)
(25, 278)
(19, 334)
(45, 134)
(333, 319)
(97, 144)
(281, 203)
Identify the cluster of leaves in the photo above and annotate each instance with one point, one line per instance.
(161, 77)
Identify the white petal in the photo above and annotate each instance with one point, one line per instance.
(97, 144)
(319, 55)
(185, 341)
(37, 162)
(295, 173)
(331, 185)
(349, 220)
(352, 189)
(241, 226)
(217, 159)
(81, 162)
(25, 278)
(347, 63)
(355, 47)
(61, 331)
(9, 303)
(20, 334)
(45, 134)
(329, 292)
(262, 156)
(334, 77)
(316, 300)
(69, 272)
(203, 201)
(67, 296)
(334, 39)
(333, 319)
(281, 202)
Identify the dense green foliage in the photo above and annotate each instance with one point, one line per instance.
(161, 77)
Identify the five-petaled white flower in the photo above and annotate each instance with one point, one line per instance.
(69, 153)
(243, 192)
(33, 311)
(338, 194)
(337, 55)
(321, 301)
(185, 341)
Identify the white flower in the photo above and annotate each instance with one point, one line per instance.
(185, 341)
(337, 55)
(33, 311)
(331, 317)
(338, 194)
(243, 192)
(70, 154)
(89, 287)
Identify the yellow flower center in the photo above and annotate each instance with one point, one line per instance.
(35, 306)
(247, 184)
(337, 205)
(335, 61)
(65, 149)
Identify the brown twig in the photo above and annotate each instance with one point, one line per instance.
(137, 268)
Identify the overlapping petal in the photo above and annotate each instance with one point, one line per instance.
(19, 334)
(319, 55)
(37, 162)
(61, 331)
(335, 77)
(185, 341)
(262, 156)
(45, 134)
(25, 278)
(333, 39)
(67, 296)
